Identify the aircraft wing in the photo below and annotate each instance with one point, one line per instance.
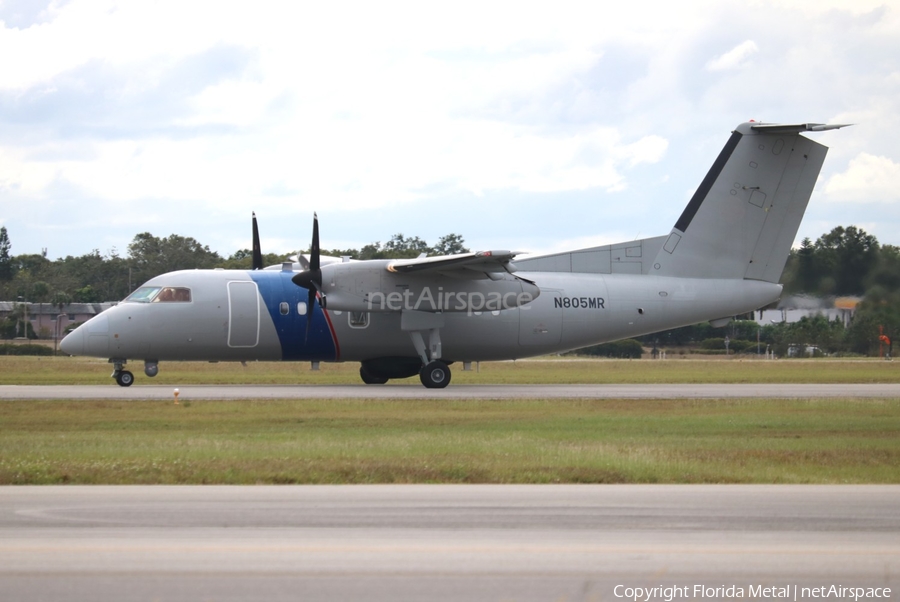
(482, 261)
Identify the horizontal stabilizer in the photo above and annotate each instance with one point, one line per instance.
(796, 128)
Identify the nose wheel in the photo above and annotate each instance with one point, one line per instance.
(435, 375)
(124, 378)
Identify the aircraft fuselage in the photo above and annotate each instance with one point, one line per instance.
(237, 315)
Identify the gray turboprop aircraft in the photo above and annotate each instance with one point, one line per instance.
(399, 318)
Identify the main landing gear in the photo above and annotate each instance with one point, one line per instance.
(435, 374)
(424, 329)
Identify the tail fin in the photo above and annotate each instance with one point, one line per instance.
(743, 218)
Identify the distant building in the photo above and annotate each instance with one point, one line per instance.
(792, 309)
(49, 321)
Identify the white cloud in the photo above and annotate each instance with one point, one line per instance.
(649, 149)
(868, 179)
(173, 111)
(735, 58)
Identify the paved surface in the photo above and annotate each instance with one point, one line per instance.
(416, 391)
(388, 543)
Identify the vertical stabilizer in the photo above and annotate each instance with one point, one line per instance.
(743, 218)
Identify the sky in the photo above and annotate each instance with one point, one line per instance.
(528, 126)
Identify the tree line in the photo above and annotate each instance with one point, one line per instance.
(96, 277)
(843, 262)
(847, 262)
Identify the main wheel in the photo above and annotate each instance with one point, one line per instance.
(370, 379)
(125, 378)
(435, 375)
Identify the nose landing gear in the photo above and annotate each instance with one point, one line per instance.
(123, 377)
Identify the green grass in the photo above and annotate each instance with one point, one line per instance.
(451, 441)
(454, 441)
(18, 370)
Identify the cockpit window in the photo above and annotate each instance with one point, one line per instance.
(145, 294)
(173, 294)
(161, 294)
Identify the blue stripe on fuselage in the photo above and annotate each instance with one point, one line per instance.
(276, 288)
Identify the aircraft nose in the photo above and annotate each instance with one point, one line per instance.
(73, 343)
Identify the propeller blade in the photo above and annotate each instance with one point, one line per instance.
(314, 250)
(311, 278)
(257, 251)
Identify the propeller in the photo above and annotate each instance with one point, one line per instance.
(311, 279)
(257, 252)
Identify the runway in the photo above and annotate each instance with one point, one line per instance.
(416, 391)
(390, 543)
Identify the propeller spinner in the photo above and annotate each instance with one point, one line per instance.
(311, 279)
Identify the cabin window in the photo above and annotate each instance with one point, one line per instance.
(359, 319)
(284, 307)
(301, 308)
(173, 294)
(145, 294)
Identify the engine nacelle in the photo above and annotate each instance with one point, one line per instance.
(381, 291)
